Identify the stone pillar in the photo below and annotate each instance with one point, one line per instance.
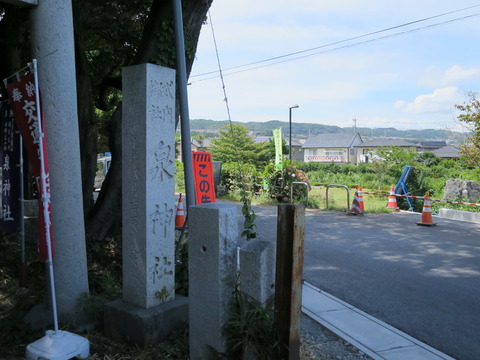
(148, 185)
(257, 271)
(53, 44)
(257, 280)
(213, 237)
(149, 311)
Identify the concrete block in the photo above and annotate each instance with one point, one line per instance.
(213, 237)
(460, 215)
(257, 270)
(125, 322)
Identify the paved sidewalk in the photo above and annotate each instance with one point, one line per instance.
(372, 336)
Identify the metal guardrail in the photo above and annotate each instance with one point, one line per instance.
(423, 197)
(338, 186)
(299, 183)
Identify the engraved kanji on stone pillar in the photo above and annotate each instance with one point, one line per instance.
(148, 184)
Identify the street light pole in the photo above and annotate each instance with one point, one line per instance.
(290, 122)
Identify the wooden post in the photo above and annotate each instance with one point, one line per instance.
(288, 280)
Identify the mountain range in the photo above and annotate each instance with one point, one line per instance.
(303, 130)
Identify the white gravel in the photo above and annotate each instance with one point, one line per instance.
(320, 343)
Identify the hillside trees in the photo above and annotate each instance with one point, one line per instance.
(109, 35)
(470, 117)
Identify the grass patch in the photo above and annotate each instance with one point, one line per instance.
(104, 266)
(105, 271)
(337, 199)
(102, 348)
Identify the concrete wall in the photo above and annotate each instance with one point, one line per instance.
(460, 215)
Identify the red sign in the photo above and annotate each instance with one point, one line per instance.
(24, 106)
(334, 158)
(203, 178)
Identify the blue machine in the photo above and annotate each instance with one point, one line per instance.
(401, 187)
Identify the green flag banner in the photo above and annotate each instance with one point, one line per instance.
(277, 137)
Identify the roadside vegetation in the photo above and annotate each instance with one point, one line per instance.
(105, 280)
(248, 176)
(429, 174)
(248, 170)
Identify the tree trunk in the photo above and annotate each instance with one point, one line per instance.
(105, 218)
(86, 116)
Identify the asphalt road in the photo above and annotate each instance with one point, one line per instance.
(424, 281)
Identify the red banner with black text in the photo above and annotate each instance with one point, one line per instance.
(203, 178)
(23, 102)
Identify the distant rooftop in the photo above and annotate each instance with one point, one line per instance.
(202, 143)
(261, 139)
(433, 144)
(447, 152)
(331, 140)
(384, 142)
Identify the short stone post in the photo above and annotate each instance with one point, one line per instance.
(257, 271)
(257, 280)
(147, 312)
(213, 237)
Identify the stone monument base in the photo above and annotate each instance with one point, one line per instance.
(125, 322)
(41, 317)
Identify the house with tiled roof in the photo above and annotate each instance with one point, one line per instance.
(201, 145)
(368, 149)
(262, 139)
(332, 147)
(447, 152)
(432, 145)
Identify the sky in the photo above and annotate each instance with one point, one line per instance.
(372, 63)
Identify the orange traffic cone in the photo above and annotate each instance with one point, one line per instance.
(355, 206)
(392, 200)
(426, 219)
(180, 216)
(360, 199)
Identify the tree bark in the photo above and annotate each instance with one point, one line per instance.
(104, 220)
(86, 116)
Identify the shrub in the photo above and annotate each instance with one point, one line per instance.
(236, 176)
(179, 177)
(279, 183)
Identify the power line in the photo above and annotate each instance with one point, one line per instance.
(340, 47)
(341, 41)
(249, 65)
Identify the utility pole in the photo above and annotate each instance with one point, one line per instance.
(290, 122)
(354, 125)
(184, 113)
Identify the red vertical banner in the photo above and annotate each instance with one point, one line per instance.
(22, 97)
(203, 178)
